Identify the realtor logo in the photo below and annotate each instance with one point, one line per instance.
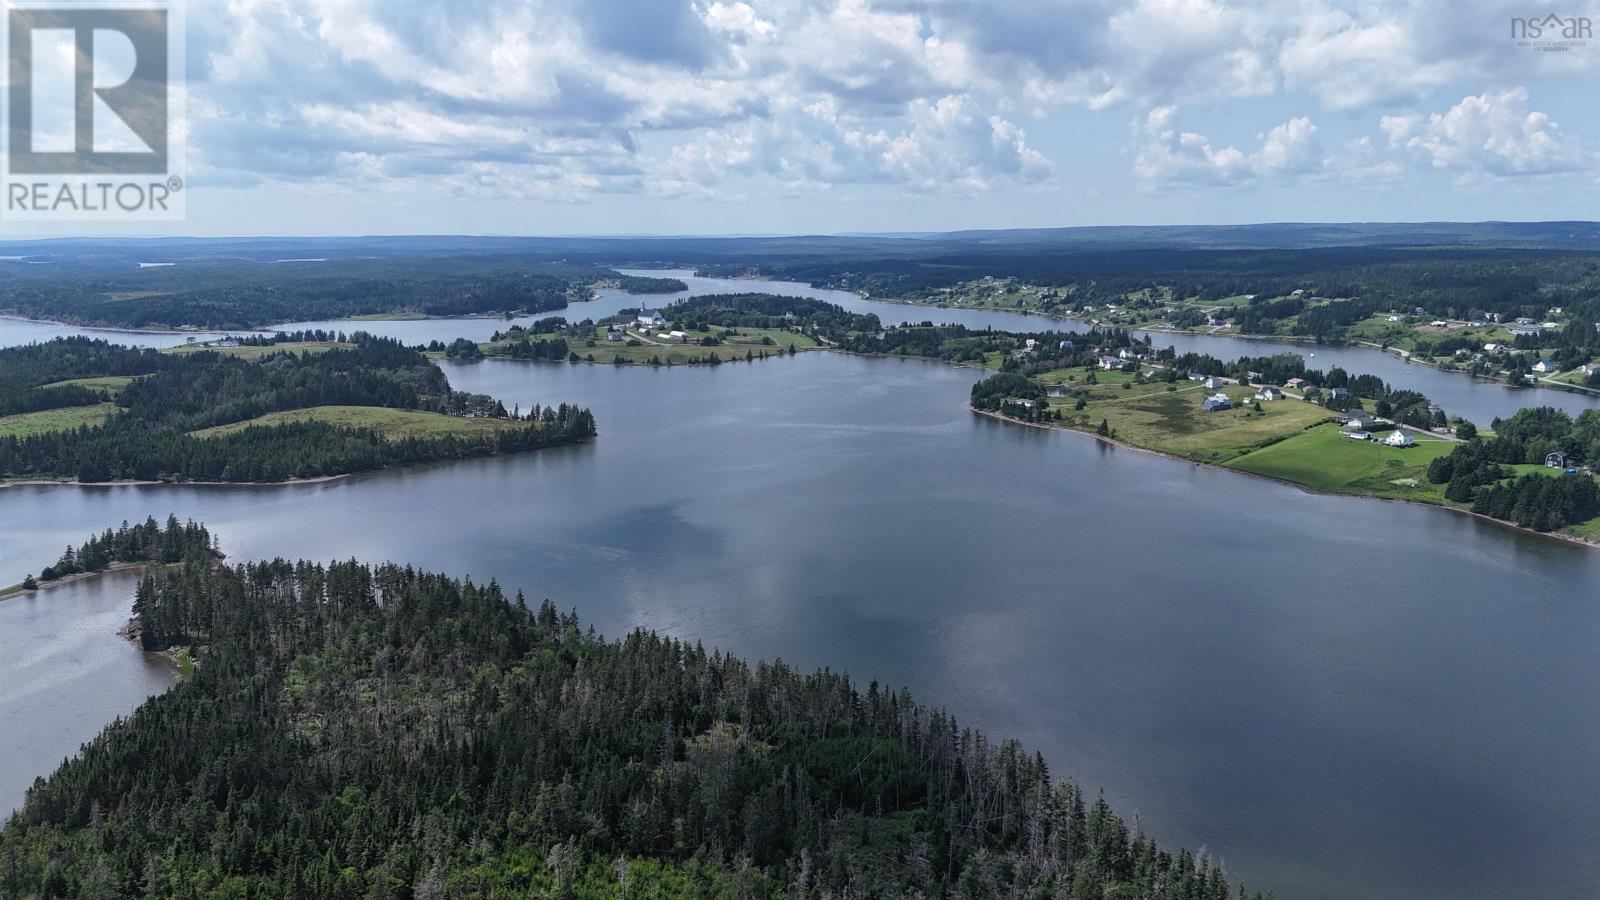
(90, 105)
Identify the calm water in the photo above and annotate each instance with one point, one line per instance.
(1476, 399)
(64, 673)
(1337, 697)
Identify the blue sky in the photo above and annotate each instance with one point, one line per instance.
(847, 116)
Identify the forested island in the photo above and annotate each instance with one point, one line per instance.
(650, 284)
(354, 731)
(268, 411)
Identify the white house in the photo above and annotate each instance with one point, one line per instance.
(1213, 382)
(1358, 435)
(1546, 366)
(1298, 384)
(1494, 348)
(1269, 392)
(651, 317)
(1215, 402)
(1398, 438)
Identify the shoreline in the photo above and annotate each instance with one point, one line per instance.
(1562, 536)
(1288, 339)
(130, 482)
(17, 590)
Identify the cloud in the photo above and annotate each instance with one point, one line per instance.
(1493, 133)
(1164, 155)
(688, 97)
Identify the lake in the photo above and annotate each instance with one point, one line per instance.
(1477, 399)
(1337, 697)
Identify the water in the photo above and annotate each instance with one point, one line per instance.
(1337, 697)
(15, 332)
(64, 674)
(1479, 400)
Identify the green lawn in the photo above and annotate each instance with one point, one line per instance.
(394, 424)
(110, 383)
(1325, 460)
(24, 424)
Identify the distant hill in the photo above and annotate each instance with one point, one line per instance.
(1575, 235)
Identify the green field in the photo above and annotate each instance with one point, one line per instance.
(674, 351)
(1325, 460)
(24, 424)
(1169, 418)
(112, 384)
(258, 352)
(394, 424)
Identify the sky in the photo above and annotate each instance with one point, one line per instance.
(842, 116)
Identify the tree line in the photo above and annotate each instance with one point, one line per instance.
(358, 731)
(149, 437)
(146, 542)
(1477, 472)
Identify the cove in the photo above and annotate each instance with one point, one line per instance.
(1337, 697)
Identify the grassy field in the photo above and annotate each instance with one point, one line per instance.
(24, 424)
(734, 346)
(394, 424)
(258, 352)
(112, 384)
(1169, 418)
(1325, 460)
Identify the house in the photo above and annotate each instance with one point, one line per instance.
(1546, 366)
(1524, 320)
(1554, 311)
(613, 335)
(1399, 438)
(1394, 318)
(1560, 459)
(1216, 402)
(1066, 345)
(651, 317)
(1358, 435)
(1361, 421)
(1253, 377)
(1269, 392)
(1297, 292)
(1589, 368)
(1338, 393)
(1494, 348)
(1213, 382)
(1128, 353)
(1298, 384)
(1113, 364)
(228, 342)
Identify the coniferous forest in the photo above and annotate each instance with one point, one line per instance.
(152, 434)
(355, 731)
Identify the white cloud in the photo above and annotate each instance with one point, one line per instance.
(1165, 155)
(686, 97)
(1493, 133)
